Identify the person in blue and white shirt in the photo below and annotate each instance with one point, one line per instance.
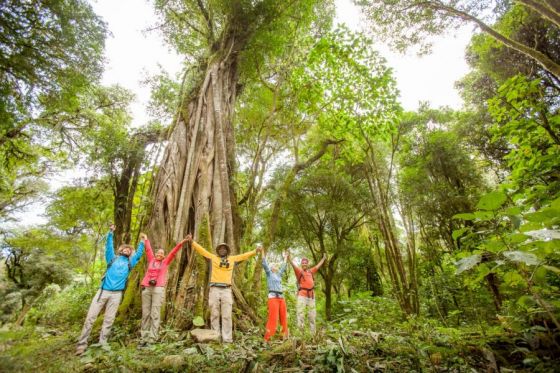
(276, 302)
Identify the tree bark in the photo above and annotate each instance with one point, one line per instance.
(546, 62)
(545, 9)
(193, 182)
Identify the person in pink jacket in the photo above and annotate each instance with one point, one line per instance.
(153, 289)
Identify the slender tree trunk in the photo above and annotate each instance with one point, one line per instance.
(403, 279)
(546, 62)
(328, 296)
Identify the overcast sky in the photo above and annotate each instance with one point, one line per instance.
(131, 54)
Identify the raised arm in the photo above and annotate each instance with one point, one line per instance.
(265, 266)
(321, 262)
(109, 249)
(169, 258)
(138, 254)
(282, 269)
(294, 266)
(149, 251)
(201, 250)
(244, 256)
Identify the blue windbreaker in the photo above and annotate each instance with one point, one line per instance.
(115, 278)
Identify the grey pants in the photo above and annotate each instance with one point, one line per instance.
(152, 299)
(110, 300)
(302, 304)
(220, 301)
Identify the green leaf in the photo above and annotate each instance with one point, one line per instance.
(484, 215)
(526, 301)
(546, 215)
(493, 245)
(198, 321)
(492, 201)
(517, 238)
(464, 216)
(553, 269)
(521, 256)
(467, 263)
(513, 278)
(459, 232)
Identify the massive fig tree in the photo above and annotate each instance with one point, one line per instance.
(193, 190)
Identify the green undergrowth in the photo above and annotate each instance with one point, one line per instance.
(362, 337)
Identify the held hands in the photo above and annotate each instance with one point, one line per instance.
(259, 249)
(188, 238)
(143, 236)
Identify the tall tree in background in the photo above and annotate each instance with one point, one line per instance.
(51, 52)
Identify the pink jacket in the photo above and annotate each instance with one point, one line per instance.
(157, 269)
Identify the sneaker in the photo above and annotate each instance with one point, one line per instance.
(80, 350)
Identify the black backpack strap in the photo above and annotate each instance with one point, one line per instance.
(129, 270)
(306, 289)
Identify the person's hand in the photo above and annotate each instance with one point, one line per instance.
(143, 236)
(325, 256)
(188, 238)
(259, 249)
(112, 227)
(286, 255)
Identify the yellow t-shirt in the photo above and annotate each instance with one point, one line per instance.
(221, 274)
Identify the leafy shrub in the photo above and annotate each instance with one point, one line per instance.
(63, 307)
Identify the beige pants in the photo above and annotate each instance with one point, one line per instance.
(220, 301)
(152, 299)
(110, 300)
(302, 303)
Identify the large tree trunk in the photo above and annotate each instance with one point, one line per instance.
(193, 181)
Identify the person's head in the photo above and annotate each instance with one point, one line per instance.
(304, 263)
(222, 250)
(125, 249)
(160, 254)
(274, 267)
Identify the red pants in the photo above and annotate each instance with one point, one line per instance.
(276, 307)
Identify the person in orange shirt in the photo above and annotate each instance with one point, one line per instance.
(306, 292)
(220, 298)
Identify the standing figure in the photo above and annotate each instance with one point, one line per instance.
(276, 302)
(153, 290)
(306, 292)
(112, 288)
(220, 298)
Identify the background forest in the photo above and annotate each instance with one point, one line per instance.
(440, 226)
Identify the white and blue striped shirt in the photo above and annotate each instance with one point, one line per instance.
(274, 280)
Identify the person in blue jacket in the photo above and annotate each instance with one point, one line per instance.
(112, 288)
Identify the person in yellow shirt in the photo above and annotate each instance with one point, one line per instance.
(220, 298)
